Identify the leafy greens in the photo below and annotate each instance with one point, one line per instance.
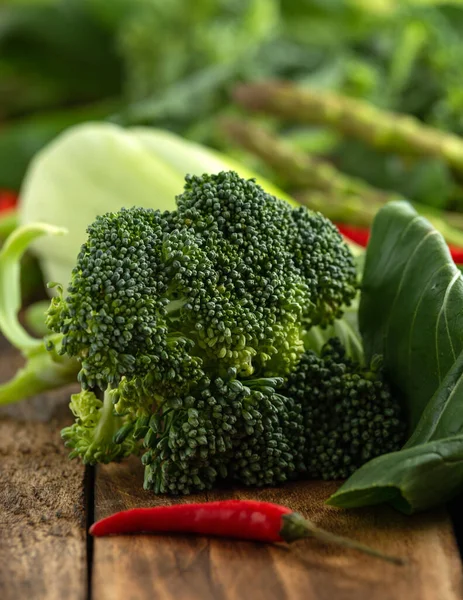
(411, 313)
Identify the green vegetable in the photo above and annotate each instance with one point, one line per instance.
(410, 480)
(45, 369)
(410, 312)
(240, 430)
(92, 434)
(227, 273)
(189, 320)
(352, 117)
(95, 168)
(410, 309)
(184, 325)
(441, 417)
(349, 413)
(321, 186)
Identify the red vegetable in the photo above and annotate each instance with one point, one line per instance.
(8, 200)
(361, 235)
(457, 254)
(242, 519)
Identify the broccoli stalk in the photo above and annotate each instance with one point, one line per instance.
(92, 435)
(44, 369)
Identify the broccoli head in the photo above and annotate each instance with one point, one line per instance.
(190, 325)
(229, 280)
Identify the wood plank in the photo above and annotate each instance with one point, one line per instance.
(42, 508)
(186, 567)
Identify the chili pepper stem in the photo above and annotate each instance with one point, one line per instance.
(295, 527)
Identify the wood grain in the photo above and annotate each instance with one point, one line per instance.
(186, 567)
(42, 508)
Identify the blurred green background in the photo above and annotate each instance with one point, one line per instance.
(174, 63)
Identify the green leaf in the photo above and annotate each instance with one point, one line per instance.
(10, 286)
(410, 309)
(411, 480)
(443, 415)
(411, 313)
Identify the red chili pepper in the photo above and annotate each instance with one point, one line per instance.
(242, 519)
(8, 200)
(361, 235)
(457, 254)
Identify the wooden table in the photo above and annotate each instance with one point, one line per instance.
(47, 502)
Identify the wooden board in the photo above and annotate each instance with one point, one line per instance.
(197, 568)
(42, 504)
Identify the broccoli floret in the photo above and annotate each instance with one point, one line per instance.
(227, 429)
(189, 437)
(91, 437)
(350, 415)
(271, 449)
(117, 318)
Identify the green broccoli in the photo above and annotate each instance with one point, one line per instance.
(190, 325)
(92, 435)
(225, 429)
(350, 415)
(231, 279)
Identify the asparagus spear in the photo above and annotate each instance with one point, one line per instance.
(297, 168)
(340, 197)
(349, 209)
(355, 118)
